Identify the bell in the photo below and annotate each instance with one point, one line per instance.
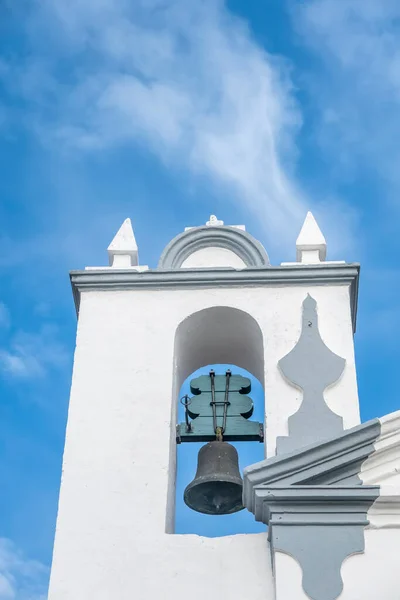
(217, 487)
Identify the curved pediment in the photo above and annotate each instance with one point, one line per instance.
(219, 247)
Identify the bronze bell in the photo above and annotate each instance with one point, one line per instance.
(217, 487)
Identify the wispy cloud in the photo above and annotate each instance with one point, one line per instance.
(31, 355)
(20, 578)
(358, 90)
(185, 79)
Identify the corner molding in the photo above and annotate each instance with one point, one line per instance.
(130, 279)
(237, 241)
(384, 463)
(319, 527)
(334, 462)
(382, 468)
(312, 367)
(385, 511)
(315, 505)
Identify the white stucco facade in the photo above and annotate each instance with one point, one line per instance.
(213, 257)
(119, 462)
(115, 528)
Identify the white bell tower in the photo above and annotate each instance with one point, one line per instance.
(214, 298)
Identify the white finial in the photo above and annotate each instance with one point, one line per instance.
(123, 250)
(214, 222)
(311, 244)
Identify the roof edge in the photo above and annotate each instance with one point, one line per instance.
(124, 279)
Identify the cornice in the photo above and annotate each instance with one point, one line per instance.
(319, 526)
(385, 512)
(336, 461)
(314, 505)
(129, 279)
(384, 463)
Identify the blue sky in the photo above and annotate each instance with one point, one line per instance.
(166, 111)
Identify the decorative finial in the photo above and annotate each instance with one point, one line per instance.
(312, 367)
(311, 244)
(214, 222)
(123, 250)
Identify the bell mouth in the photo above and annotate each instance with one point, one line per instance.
(214, 497)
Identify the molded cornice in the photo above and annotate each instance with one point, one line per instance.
(336, 461)
(385, 512)
(315, 504)
(384, 463)
(319, 526)
(127, 279)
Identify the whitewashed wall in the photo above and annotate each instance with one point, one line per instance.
(117, 495)
(213, 257)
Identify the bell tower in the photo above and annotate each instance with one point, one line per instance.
(214, 298)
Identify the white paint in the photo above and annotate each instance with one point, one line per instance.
(123, 250)
(326, 262)
(134, 350)
(214, 222)
(117, 494)
(138, 268)
(213, 257)
(385, 512)
(168, 567)
(216, 335)
(310, 257)
(288, 578)
(310, 244)
(383, 468)
(375, 573)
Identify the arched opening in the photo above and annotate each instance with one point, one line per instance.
(215, 336)
(219, 338)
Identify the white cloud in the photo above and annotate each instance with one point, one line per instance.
(358, 90)
(20, 578)
(32, 355)
(183, 78)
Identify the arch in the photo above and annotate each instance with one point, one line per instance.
(241, 243)
(218, 335)
(214, 335)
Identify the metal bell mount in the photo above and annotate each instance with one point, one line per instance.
(219, 411)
